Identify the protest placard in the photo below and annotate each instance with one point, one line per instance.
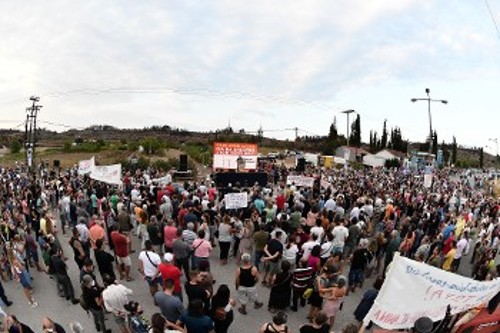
(110, 174)
(301, 181)
(428, 180)
(236, 200)
(86, 166)
(412, 290)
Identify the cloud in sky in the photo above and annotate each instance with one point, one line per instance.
(198, 65)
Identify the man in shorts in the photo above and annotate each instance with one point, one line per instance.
(121, 247)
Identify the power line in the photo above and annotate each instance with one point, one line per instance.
(493, 18)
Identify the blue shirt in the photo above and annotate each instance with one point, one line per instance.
(447, 231)
(196, 324)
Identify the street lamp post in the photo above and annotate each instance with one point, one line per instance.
(429, 100)
(348, 112)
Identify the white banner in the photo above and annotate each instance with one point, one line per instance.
(300, 181)
(236, 200)
(110, 174)
(231, 162)
(428, 180)
(412, 290)
(86, 166)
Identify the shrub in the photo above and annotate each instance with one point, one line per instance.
(15, 147)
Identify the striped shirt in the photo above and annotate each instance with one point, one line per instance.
(301, 278)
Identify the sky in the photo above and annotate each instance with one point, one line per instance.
(201, 65)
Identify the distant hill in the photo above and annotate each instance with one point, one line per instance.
(174, 137)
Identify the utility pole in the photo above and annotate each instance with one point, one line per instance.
(429, 100)
(31, 132)
(296, 130)
(348, 112)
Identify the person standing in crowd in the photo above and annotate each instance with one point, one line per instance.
(121, 246)
(189, 235)
(450, 256)
(168, 271)
(359, 260)
(278, 325)
(88, 269)
(50, 326)
(273, 252)
(13, 325)
(92, 296)
(201, 250)
(124, 223)
(78, 248)
(195, 320)
(281, 292)
(63, 279)
(461, 250)
(368, 299)
(319, 324)
(260, 238)
(181, 251)
(392, 247)
(96, 232)
(221, 310)
(247, 277)
(225, 236)
(105, 261)
(171, 306)
(114, 297)
(301, 280)
(84, 235)
(170, 235)
(137, 323)
(155, 234)
(334, 297)
(149, 263)
(246, 242)
(194, 290)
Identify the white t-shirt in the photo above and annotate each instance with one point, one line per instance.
(340, 234)
(318, 231)
(150, 269)
(291, 253)
(307, 248)
(326, 249)
(330, 205)
(355, 213)
(135, 195)
(65, 203)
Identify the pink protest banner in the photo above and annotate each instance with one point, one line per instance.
(412, 290)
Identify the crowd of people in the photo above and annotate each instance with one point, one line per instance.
(311, 246)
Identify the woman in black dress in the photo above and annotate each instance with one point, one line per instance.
(281, 289)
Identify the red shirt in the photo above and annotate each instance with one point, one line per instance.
(120, 242)
(181, 214)
(447, 244)
(159, 196)
(280, 202)
(169, 234)
(169, 271)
